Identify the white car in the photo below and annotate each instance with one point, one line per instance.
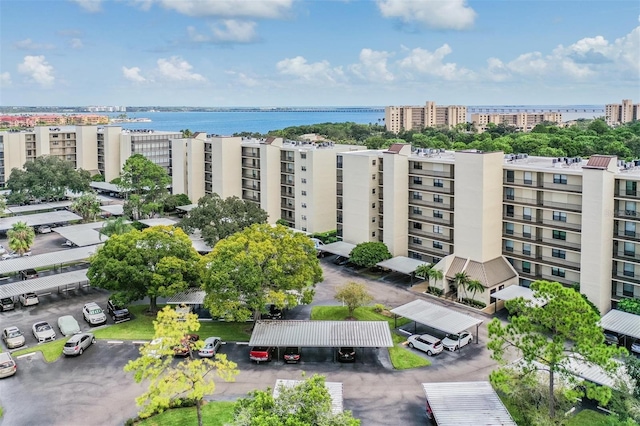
(43, 332)
(29, 299)
(9, 255)
(44, 229)
(12, 337)
(211, 347)
(93, 314)
(453, 342)
(426, 343)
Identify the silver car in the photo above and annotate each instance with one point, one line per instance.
(210, 348)
(12, 337)
(78, 343)
(8, 366)
(43, 332)
(93, 314)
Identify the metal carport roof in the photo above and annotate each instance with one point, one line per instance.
(438, 317)
(39, 285)
(39, 219)
(187, 208)
(339, 247)
(193, 296)
(48, 259)
(114, 209)
(466, 403)
(404, 265)
(515, 291)
(622, 323)
(38, 207)
(334, 388)
(106, 186)
(326, 334)
(83, 236)
(158, 221)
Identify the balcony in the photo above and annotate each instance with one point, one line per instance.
(559, 243)
(518, 218)
(627, 214)
(431, 188)
(430, 203)
(287, 168)
(251, 164)
(627, 235)
(562, 187)
(247, 174)
(431, 219)
(426, 172)
(287, 205)
(558, 224)
(529, 183)
(559, 262)
(286, 193)
(562, 206)
(562, 280)
(519, 200)
(286, 180)
(251, 185)
(628, 193)
(431, 235)
(429, 251)
(251, 153)
(627, 256)
(621, 276)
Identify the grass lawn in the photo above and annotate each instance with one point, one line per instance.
(141, 328)
(592, 418)
(51, 350)
(215, 413)
(403, 358)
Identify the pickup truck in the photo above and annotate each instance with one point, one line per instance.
(261, 353)
(118, 314)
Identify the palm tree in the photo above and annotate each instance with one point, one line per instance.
(422, 271)
(21, 237)
(475, 286)
(460, 280)
(87, 206)
(435, 275)
(115, 226)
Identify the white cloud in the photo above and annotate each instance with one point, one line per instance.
(90, 5)
(177, 69)
(38, 69)
(5, 79)
(226, 31)
(263, 9)
(317, 71)
(422, 61)
(372, 66)
(243, 79)
(28, 44)
(76, 43)
(437, 14)
(133, 74)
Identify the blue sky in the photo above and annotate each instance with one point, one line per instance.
(318, 53)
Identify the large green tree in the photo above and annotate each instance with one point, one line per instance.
(368, 254)
(115, 225)
(87, 206)
(307, 403)
(550, 337)
(146, 185)
(168, 381)
(218, 218)
(46, 178)
(21, 237)
(259, 265)
(159, 261)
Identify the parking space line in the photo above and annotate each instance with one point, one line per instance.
(115, 342)
(30, 354)
(140, 342)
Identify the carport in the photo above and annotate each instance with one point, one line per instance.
(334, 388)
(436, 316)
(82, 235)
(321, 334)
(160, 221)
(515, 291)
(107, 187)
(193, 296)
(187, 208)
(339, 247)
(41, 207)
(38, 219)
(113, 209)
(466, 403)
(43, 286)
(404, 265)
(621, 323)
(57, 258)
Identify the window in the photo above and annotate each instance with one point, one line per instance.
(303, 155)
(373, 177)
(508, 245)
(526, 213)
(304, 192)
(628, 270)
(437, 199)
(303, 180)
(526, 249)
(630, 208)
(304, 205)
(559, 235)
(373, 219)
(416, 195)
(304, 217)
(560, 254)
(373, 191)
(437, 245)
(417, 225)
(437, 214)
(417, 166)
(560, 216)
(526, 267)
(561, 179)
(629, 249)
(373, 234)
(509, 194)
(508, 228)
(373, 205)
(527, 178)
(558, 272)
(373, 162)
(510, 210)
(510, 176)
(437, 229)
(417, 241)
(417, 180)
(303, 168)
(631, 187)
(417, 210)
(438, 183)
(526, 231)
(630, 229)
(627, 290)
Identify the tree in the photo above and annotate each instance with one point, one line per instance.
(257, 266)
(169, 382)
(548, 338)
(353, 295)
(146, 186)
(115, 225)
(460, 280)
(46, 178)
(369, 254)
(218, 218)
(156, 262)
(3, 206)
(422, 271)
(175, 200)
(21, 237)
(87, 206)
(307, 403)
(475, 286)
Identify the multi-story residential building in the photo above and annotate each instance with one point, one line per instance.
(626, 112)
(291, 180)
(522, 121)
(398, 118)
(562, 219)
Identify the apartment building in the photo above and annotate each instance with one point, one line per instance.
(522, 121)
(399, 118)
(626, 112)
(291, 180)
(563, 219)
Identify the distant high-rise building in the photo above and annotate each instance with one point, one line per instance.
(523, 121)
(626, 112)
(398, 118)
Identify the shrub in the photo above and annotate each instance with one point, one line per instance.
(474, 303)
(629, 305)
(378, 308)
(435, 291)
(326, 237)
(369, 254)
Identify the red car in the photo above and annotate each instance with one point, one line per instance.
(261, 353)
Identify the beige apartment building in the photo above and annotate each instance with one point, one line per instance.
(626, 112)
(503, 219)
(522, 121)
(399, 118)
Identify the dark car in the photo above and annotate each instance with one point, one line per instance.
(292, 355)
(118, 313)
(611, 339)
(27, 274)
(346, 354)
(6, 304)
(341, 260)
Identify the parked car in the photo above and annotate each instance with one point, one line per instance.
(426, 343)
(273, 312)
(12, 337)
(6, 304)
(611, 339)
(292, 355)
(453, 342)
(44, 229)
(29, 299)
(9, 255)
(184, 348)
(635, 348)
(211, 347)
(347, 354)
(155, 348)
(2, 249)
(77, 343)
(183, 311)
(68, 325)
(118, 313)
(8, 366)
(27, 274)
(318, 244)
(43, 332)
(341, 260)
(261, 353)
(93, 314)
(68, 244)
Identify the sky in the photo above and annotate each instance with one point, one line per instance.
(222, 53)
